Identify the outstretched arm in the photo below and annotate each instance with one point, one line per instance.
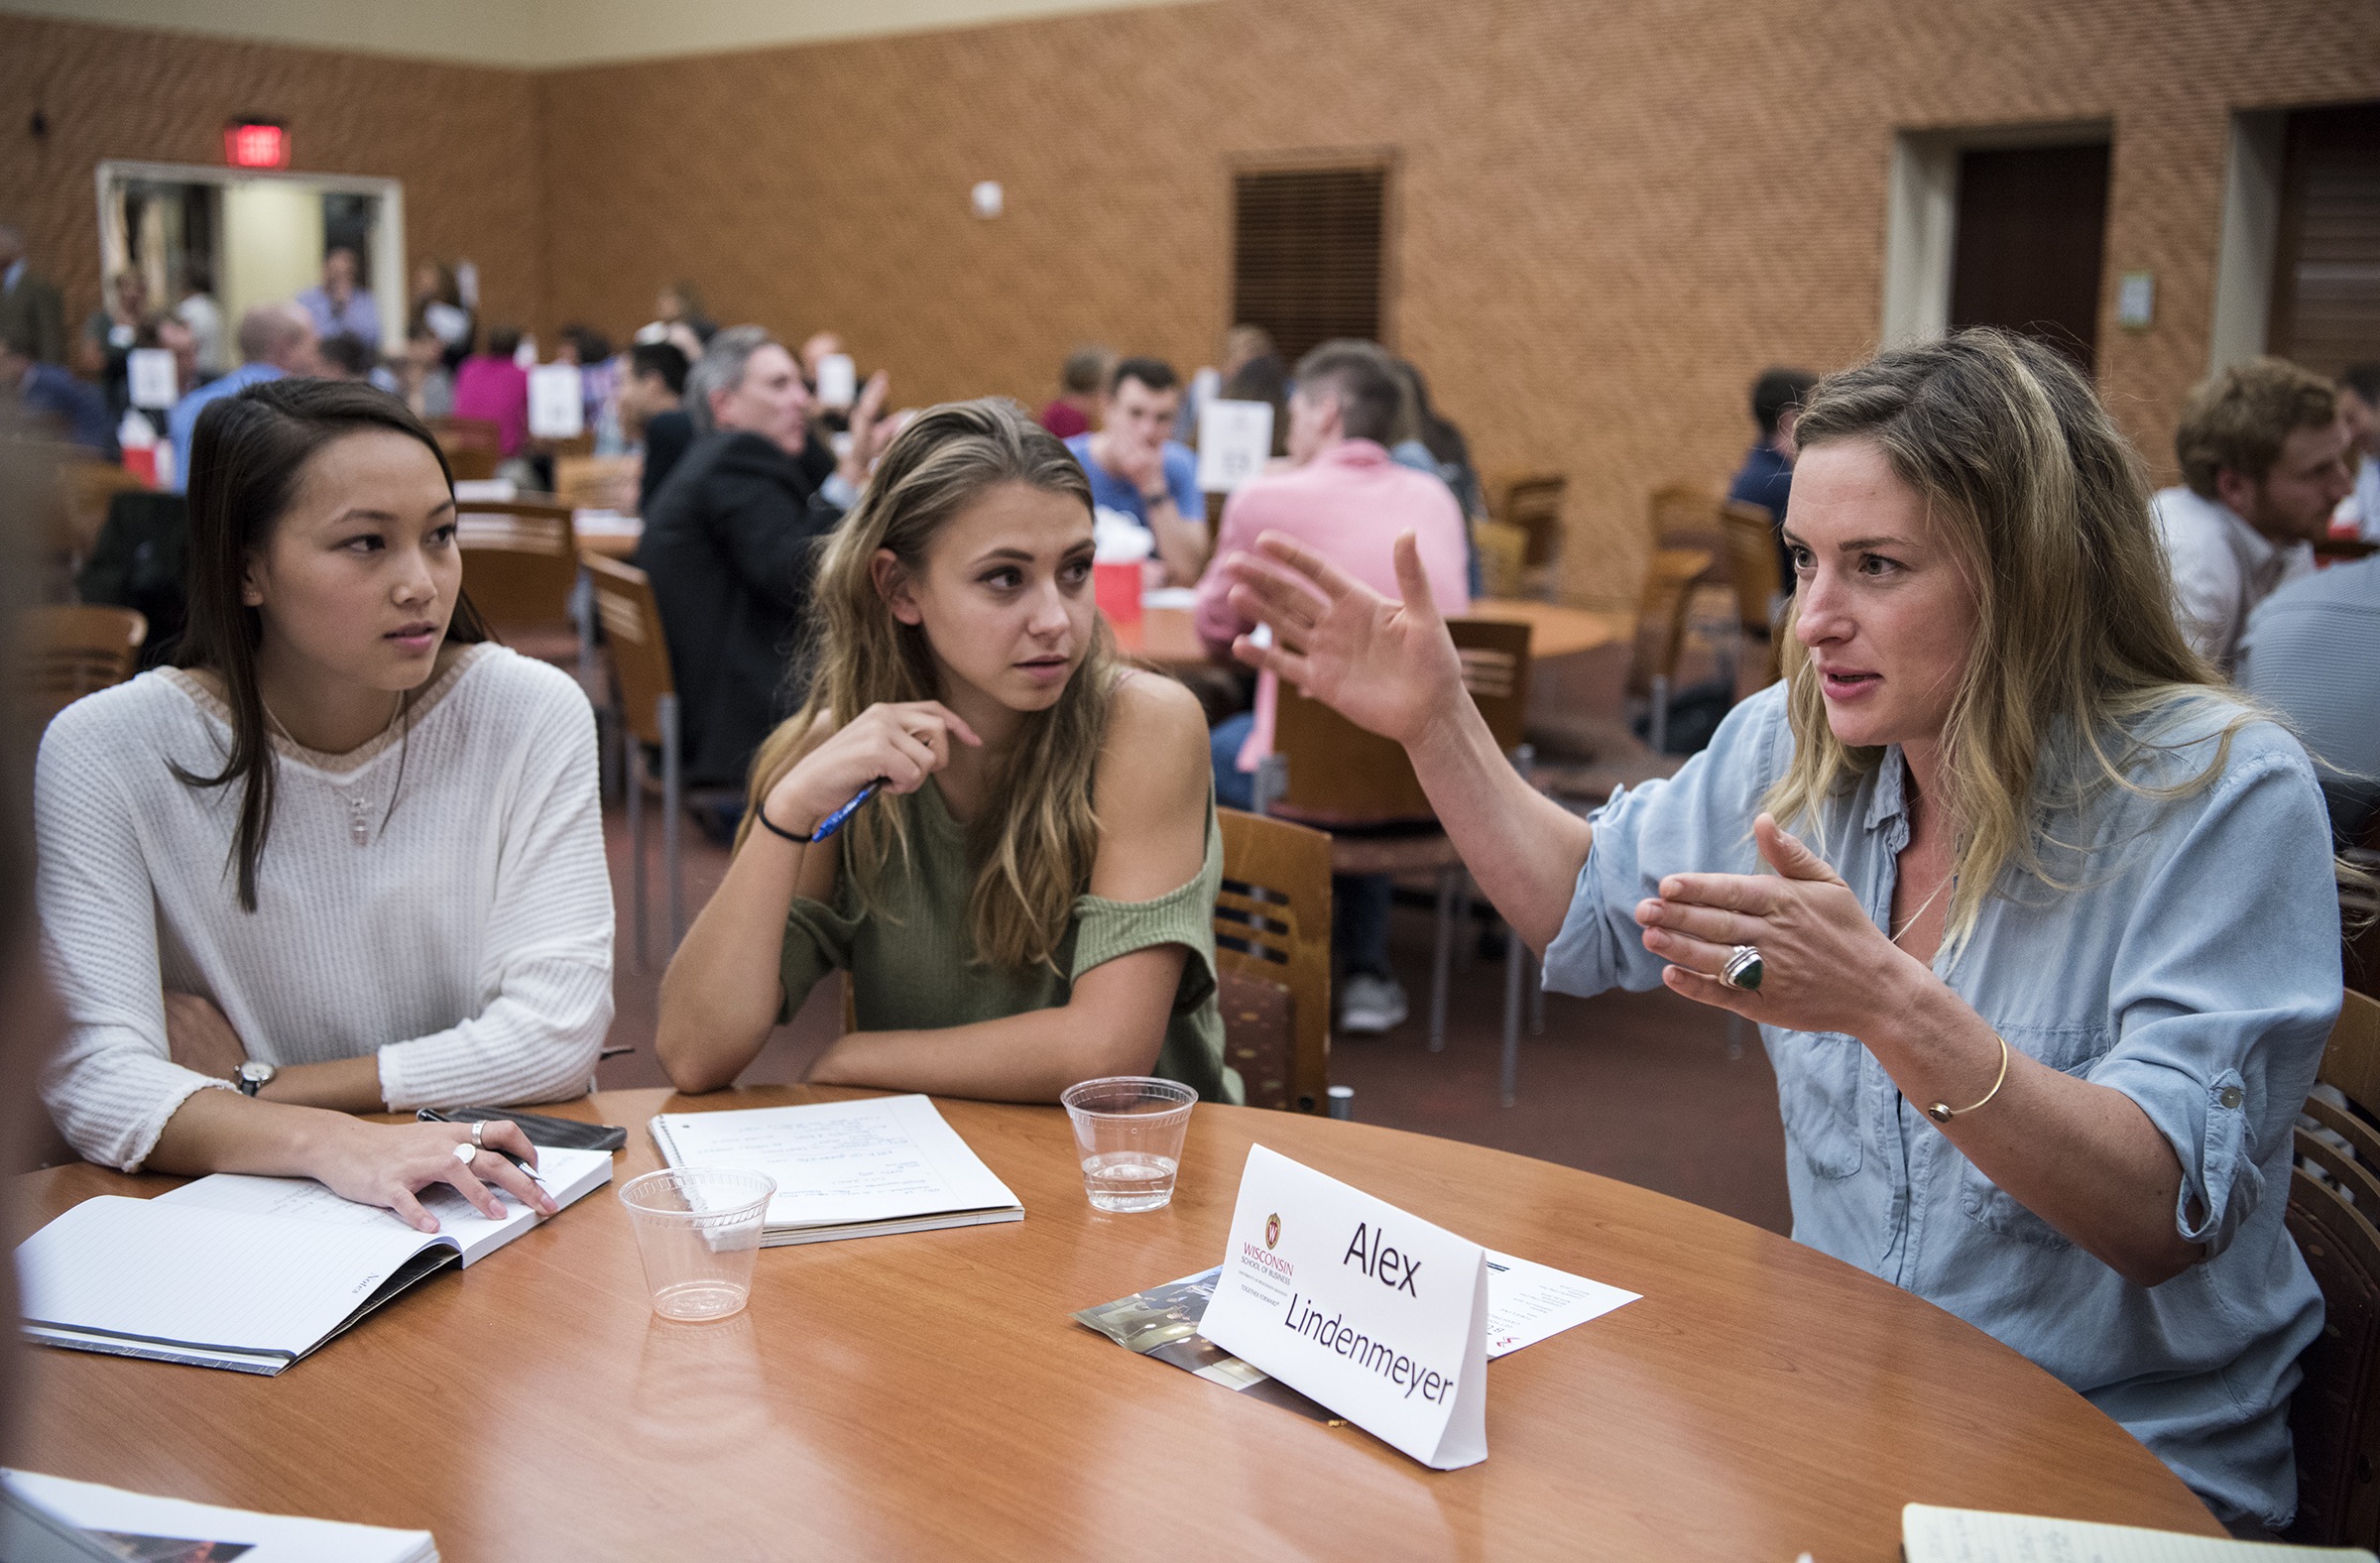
(1391, 668)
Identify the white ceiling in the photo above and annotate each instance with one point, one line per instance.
(546, 34)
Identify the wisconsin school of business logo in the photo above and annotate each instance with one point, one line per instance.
(1272, 1230)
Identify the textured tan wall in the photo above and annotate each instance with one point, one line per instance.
(1609, 216)
(463, 141)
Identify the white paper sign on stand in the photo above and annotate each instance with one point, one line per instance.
(837, 381)
(151, 377)
(557, 407)
(1235, 441)
(1373, 1311)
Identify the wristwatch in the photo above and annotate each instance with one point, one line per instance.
(252, 1077)
(1154, 498)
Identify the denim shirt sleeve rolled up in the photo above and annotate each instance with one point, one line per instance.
(2187, 957)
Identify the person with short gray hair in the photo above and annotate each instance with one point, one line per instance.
(276, 339)
(730, 539)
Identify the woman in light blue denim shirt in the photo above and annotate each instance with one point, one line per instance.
(2047, 972)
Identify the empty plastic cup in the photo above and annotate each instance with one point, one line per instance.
(698, 1230)
(1128, 1130)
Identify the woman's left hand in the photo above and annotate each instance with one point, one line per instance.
(1825, 966)
(197, 1037)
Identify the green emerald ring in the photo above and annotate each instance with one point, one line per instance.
(1743, 969)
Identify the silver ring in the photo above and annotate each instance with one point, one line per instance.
(465, 1153)
(1743, 970)
(479, 1130)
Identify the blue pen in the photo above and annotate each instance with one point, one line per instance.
(834, 821)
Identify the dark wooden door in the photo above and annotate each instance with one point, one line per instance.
(2326, 252)
(2031, 230)
(1307, 251)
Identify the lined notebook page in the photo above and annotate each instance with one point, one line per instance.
(217, 1277)
(1974, 1535)
(880, 1160)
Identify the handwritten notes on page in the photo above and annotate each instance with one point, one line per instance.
(1973, 1535)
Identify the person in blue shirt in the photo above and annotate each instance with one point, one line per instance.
(276, 339)
(78, 411)
(2046, 964)
(1133, 468)
(1766, 477)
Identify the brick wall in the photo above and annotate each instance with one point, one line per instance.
(1607, 217)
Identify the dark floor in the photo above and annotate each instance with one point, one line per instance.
(1638, 1087)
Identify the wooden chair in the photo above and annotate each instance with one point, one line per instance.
(2334, 1202)
(1687, 516)
(1327, 770)
(520, 568)
(72, 651)
(1661, 611)
(87, 488)
(1534, 505)
(1754, 571)
(643, 712)
(473, 446)
(597, 482)
(1272, 959)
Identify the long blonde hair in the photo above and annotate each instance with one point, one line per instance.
(1033, 848)
(2044, 506)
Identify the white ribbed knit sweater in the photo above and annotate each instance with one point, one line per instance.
(468, 942)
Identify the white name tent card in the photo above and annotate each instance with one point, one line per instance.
(1378, 1314)
(838, 379)
(1235, 441)
(151, 377)
(557, 407)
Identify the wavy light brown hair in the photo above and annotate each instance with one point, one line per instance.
(2045, 507)
(1033, 848)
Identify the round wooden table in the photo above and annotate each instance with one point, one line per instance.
(929, 1396)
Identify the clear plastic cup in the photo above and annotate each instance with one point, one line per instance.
(698, 1230)
(1129, 1128)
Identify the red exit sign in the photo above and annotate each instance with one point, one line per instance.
(256, 144)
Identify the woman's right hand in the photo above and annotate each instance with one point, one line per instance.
(1387, 666)
(389, 1165)
(904, 742)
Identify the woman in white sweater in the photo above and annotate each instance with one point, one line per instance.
(346, 858)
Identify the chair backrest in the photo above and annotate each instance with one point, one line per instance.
(1534, 505)
(87, 488)
(473, 446)
(520, 561)
(632, 630)
(70, 651)
(1687, 515)
(2334, 1196)
(1339, 772)
(596, 482)
(1272, 957)
(1753, 565)
(1661, 613)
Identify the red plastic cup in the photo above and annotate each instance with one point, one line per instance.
(1117, 588)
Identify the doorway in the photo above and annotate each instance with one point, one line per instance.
(2028, 243)
(247, 238)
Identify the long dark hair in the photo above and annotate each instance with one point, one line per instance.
(247, 456)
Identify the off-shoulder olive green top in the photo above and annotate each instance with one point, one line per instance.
(913, 961)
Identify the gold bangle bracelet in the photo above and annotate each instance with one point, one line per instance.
(1943, 1112)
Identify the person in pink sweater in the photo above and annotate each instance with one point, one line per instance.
(1347, 501)
(491, 386)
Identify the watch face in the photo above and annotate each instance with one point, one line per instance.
(255, 1072)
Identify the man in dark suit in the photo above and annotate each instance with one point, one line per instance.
(31, 311)
(730, 542)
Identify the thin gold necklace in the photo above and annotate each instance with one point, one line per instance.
(359, 813)
(1922, 906)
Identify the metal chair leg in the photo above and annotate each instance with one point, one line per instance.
(1517, 959)
(1466, 941)
(1536, 981)
(633, 769)
(1441, 960)
(674, 810)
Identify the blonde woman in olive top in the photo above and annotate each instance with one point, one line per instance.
(1027, 901)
